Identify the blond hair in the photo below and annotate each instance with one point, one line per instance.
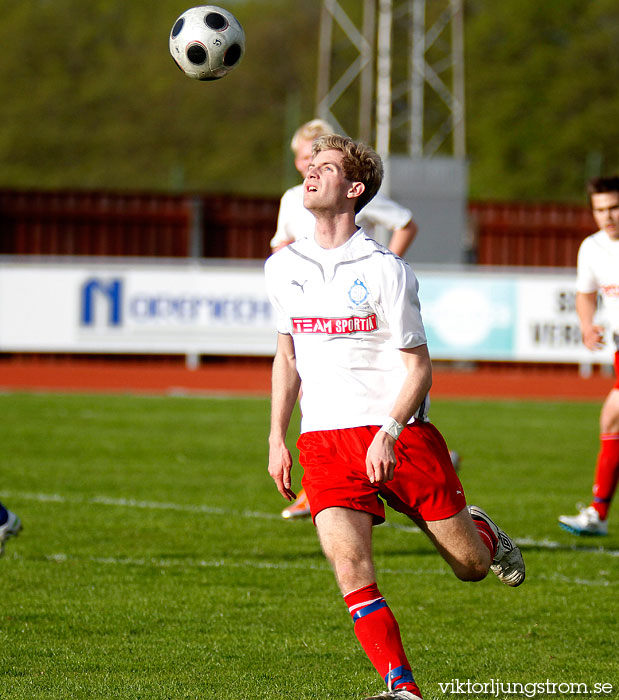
(309, 131)
(359, 164)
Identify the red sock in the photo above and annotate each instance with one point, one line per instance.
(487, 535)
(606, 473)
(379, 634)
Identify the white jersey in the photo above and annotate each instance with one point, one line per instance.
(598, 270)
(349, 310)
(294, 221)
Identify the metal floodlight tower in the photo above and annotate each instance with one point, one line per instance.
(361, 67)
(431, 80)
(396, 68)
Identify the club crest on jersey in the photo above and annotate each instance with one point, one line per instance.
(358, 293)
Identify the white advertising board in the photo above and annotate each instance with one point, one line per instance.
(547, 324)
(135, 308)
(518, 316)
(221, 308)
(468, 316)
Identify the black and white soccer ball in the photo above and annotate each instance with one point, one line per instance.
(207, 42)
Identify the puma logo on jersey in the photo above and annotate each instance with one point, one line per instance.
(294, 283)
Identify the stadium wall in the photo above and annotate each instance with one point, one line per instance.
(120, 224)
(104, 225)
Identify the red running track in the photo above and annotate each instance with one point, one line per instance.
(253, 378)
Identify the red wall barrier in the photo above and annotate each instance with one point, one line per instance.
(93, 223)
(227, 226)
(541, 235)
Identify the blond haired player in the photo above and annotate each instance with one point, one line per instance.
(294, 221)
(598, 272)
(350, 329)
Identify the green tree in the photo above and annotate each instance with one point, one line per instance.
(542, 110)
(90, 97)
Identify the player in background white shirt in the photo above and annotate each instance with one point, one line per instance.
(350, 329)
(598, 272)
(294, 222)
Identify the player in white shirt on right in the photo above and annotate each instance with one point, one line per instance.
(598, 271)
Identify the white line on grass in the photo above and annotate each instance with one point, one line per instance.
(133, 503)
(211, 510)
(153, 562)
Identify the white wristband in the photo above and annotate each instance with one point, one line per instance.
(392, 427)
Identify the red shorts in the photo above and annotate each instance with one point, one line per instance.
(425, 484)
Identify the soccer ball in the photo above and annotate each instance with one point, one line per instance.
(207, 42)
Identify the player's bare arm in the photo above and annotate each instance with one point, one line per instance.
(380, 460)
(586, 306)
(284, 393)
(402, 238)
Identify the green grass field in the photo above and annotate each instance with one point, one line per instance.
(154, 564)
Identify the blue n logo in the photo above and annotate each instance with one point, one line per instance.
(111, 291)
